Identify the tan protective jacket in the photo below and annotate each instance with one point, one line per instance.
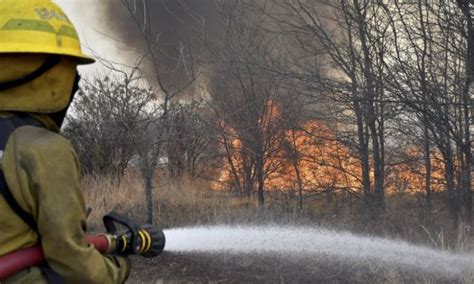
(42, 171)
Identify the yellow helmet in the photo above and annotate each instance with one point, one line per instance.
(39, 53)
(38, 26)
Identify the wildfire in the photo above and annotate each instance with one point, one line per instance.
(315, 160)
(308, 159)
(312, 159)
(409, 176)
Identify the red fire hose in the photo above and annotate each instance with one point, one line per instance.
(146, 240)
(33, 256)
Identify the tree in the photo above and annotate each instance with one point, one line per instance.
(248, 101)
(173, 72)
(429, 74)
(347, 40)
(103, 114)
(191, 148)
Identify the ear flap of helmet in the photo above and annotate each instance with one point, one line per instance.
(58, 117)
(49, 92)
(49, 63)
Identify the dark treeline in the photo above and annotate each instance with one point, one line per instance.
(359, 97)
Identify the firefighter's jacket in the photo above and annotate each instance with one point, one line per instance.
(42, 171)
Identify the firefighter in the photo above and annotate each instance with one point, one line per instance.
(40, 198)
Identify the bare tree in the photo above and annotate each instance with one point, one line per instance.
(174, 74)
(349, 41)
(105, 110)
(248, 101)
(429, 72)
(192, 148)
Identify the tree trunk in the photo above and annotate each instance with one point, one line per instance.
(259, 167)
(378, 169)
(427, 161)
(466, 179)
(465, 194)
(149, 197)
(296, 167)
(300, 186)
(247, 176)
(364, 155)
(369, 95)
(451, 184)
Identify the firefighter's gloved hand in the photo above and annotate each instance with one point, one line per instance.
(125, 265)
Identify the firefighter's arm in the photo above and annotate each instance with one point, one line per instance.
(55, 199)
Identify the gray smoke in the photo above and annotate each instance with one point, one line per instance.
(170, 18)
(173, 25)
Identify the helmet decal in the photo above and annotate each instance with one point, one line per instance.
(41, 26)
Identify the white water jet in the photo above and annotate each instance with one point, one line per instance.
(318, 244)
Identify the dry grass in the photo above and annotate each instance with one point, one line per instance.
(104, 195)
(188, 202)
(176, 203)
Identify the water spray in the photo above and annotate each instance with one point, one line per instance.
(146, 240)
(314, 245)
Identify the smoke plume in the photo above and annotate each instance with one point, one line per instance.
(172, 26)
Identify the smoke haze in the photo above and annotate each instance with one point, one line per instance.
(172, 25)
(169, 18)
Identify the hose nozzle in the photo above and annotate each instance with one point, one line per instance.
(150, 242)
(146, 240)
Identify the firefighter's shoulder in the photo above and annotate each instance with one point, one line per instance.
(33, 146)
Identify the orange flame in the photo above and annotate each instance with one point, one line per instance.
(312, 159)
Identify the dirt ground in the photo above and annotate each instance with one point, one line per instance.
(189, 268)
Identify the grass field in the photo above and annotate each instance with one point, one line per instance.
(189, 203)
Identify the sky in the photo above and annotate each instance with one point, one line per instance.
(96, 37)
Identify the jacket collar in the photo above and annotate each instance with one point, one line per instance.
(44, 119)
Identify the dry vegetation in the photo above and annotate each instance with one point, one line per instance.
(188, 202)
